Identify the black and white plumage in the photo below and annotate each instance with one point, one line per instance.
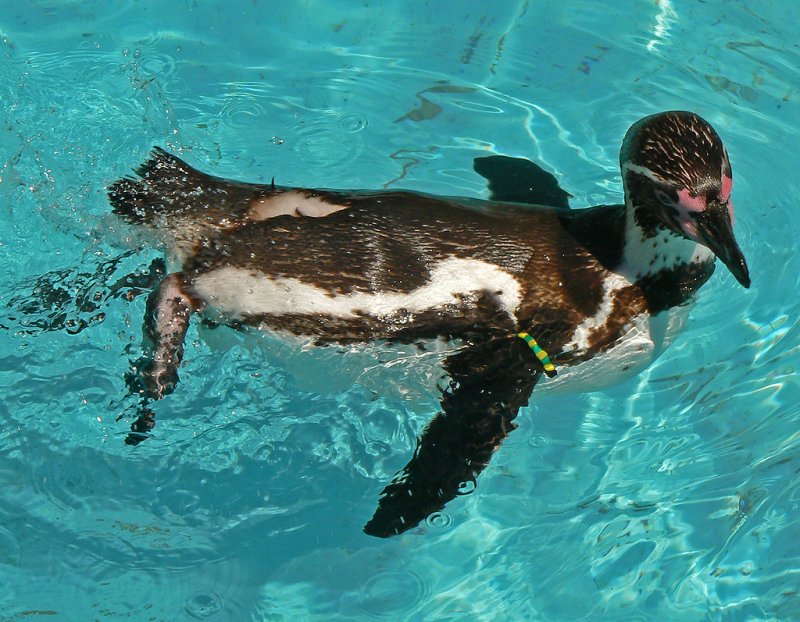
(601, 289)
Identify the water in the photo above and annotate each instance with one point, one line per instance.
(670, 496)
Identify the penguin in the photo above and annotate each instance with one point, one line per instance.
(530, 290)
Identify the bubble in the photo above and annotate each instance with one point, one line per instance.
(466, 488)
(203, 605)
(352, 123)
(439, 521)
(539, 441)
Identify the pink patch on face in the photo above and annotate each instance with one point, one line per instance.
(727, 186)
(725, 194)
(689, 228)
(690, 203)
(686, 207)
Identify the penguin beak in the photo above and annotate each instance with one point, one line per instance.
(715, 230)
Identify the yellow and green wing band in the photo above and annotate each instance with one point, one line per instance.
(549, 368)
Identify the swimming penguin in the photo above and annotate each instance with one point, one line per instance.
(527, 286)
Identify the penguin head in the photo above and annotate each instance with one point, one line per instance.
(677, 176)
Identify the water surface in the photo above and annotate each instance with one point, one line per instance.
(670, 496)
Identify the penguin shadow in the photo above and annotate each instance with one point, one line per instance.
(517, 180)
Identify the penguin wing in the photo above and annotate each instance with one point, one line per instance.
(490, 381)
(382, 246)
(518, 180)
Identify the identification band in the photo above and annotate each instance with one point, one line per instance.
(549, 368)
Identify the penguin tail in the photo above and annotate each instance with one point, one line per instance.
(167, 193)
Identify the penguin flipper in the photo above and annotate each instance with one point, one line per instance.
(166, 321)
(490, 382)
(518, 180)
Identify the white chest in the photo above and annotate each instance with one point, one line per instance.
(642, 341)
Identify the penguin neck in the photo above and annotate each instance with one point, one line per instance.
(669, 267)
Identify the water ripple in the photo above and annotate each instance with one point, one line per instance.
(241, 111)
(353, 123)
(392, 594)
(323, 139)
(204, 605)
(671, 496)
(439, 521)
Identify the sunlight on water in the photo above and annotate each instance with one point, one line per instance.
(670, 496)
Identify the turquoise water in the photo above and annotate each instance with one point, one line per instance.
(672, 496)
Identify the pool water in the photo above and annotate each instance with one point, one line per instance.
(671, 496)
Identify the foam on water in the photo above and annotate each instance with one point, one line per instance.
(671, 496)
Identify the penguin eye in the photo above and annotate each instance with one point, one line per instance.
(664, 198)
